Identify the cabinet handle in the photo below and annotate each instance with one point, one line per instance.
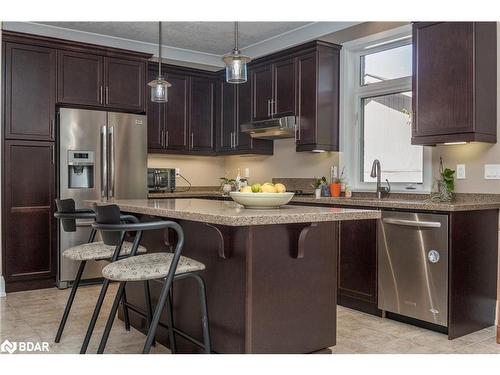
(162, 138)
(268, 108)
(192, 140)
(107, 95)
(166, 138)
(100, 94)
(53, 157)
(235, 139)
(52, 136)
(274, 107)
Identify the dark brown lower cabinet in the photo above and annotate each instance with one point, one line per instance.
(357, 273)
(29, 228)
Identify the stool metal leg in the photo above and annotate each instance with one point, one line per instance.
(95, 315)
(204, 313)
(170, 315)
(156, 317)
(126, 317)
(111, 318)
(147, 295)
(71, 298)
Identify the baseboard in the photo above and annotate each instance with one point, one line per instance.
(2, 287)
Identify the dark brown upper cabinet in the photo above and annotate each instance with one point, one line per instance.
(176, 118)
(80, 79)
(262, 92)
(273, 90)
(318, 74)
(454, 82)
(93, 80)
(233, 107)
(30, 92)
(284, 88)
(124, 82)
(29, 241)
(201, 114)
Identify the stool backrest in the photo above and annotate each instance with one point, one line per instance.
(67, 206)
(109, 214)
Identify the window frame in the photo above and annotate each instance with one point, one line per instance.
(352, 94)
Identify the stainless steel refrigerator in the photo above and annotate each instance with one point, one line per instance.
(102, 155)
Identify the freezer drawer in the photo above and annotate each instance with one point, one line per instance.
(413, 265)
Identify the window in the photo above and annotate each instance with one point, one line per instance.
(376, 116)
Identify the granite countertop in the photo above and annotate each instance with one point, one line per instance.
(232, 214)
(461, 202)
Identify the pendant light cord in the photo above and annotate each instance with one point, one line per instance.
(236, 36)
(159, 49)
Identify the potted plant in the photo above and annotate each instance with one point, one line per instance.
(318, 185)
(445, 184)
(227, 185)
(336, 187)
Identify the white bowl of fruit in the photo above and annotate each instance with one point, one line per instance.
(262, 196)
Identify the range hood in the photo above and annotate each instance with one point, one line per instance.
(276, 128)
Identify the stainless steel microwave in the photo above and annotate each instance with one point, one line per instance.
(161, 180)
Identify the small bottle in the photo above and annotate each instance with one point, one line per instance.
(238, 180)
(348, 191)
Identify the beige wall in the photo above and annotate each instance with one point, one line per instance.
(285, 162)
(199, 170)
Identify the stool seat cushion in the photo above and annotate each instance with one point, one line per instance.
(98, 251)
(148, 267)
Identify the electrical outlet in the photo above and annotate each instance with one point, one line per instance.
(247, 172)
(177, 171)
(492, 171)
(460, 171)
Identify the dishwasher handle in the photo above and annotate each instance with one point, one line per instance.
(413, 223)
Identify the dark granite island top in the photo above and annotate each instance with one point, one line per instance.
(271, 275)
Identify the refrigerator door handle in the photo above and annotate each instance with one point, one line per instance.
(112, 162)
(104, 163)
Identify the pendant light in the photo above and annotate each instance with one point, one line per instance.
(236, 63)
(159, 86)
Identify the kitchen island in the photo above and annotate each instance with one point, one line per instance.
(271, 275)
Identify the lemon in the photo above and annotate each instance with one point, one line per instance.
(280, 188)
(246, 189)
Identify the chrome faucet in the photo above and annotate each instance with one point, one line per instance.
(376, 173)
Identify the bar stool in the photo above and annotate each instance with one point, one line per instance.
(97, 251)
(153, 266)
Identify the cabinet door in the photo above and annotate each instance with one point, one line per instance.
(262, 92)
(443, 78)
(124, 84)
(30, 90)
(80, 79)
(201, 115)
(156, 121)
(357, 276)
(176, 123)
(226, 116)
(306, 116)
(29, 226)
(284, 81)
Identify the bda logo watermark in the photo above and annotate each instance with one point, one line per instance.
(24, 346)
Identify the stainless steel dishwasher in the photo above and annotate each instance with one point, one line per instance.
(413, 265)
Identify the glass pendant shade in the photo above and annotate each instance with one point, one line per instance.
(236, 67)
(159, 87)
(159, 92)
(236, 63)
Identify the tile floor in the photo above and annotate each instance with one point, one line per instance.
(34, 316)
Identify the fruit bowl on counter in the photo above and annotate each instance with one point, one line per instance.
(262, 196)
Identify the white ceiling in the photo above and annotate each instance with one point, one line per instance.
(209, 37)
(200, 44)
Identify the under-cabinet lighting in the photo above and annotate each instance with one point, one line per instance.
(318, 151)
(454, 143)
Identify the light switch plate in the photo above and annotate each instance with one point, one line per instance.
(492, 171)
(460, 171)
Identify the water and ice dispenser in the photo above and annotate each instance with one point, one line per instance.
(81, 169)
